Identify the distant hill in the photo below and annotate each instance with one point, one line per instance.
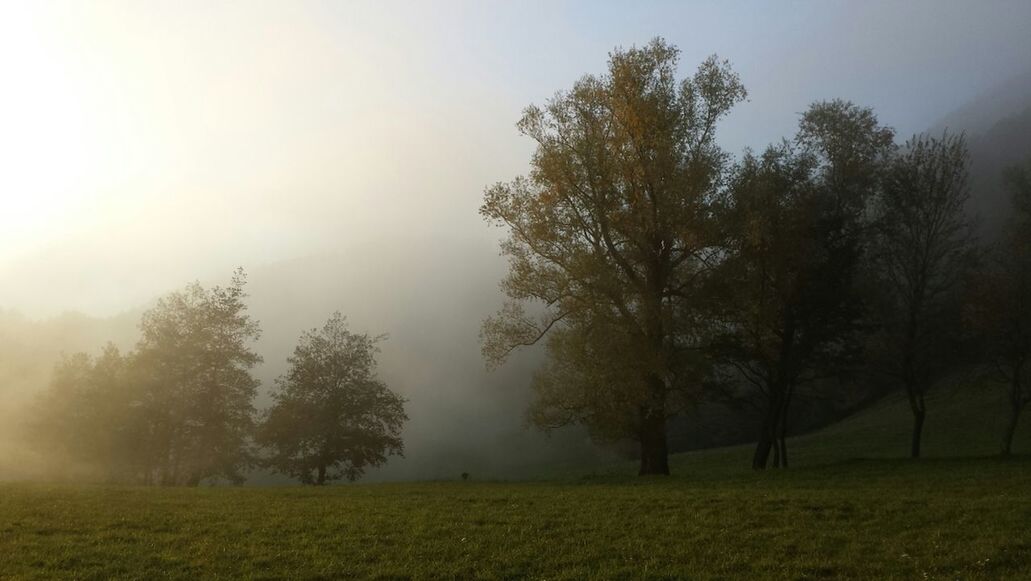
(984, 112)
(1006, 143)
(998, 127)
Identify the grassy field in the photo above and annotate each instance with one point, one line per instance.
(880, 518)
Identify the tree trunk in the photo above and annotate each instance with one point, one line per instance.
(916, 401)
(767, 435)
(1011, 428)
(918, 428)
(654, 450)
(321, 478)
(773, 437)
(783, 447)
(1017, 402)
(762, 451)
(782, 437)
(779, 443)
(911, 375)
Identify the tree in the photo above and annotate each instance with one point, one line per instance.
(610, 236)
(72, 420)
(332, 417)
(925, 251)
(789, 309)
(1000, 305)
(177, 409)
(193, 366)
(90, 416)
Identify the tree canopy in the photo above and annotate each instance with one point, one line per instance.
(924, 254)
(609, 239)
(332, 418)
(177, 409)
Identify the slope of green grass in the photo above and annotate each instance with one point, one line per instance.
(962, 422)
(831, 516)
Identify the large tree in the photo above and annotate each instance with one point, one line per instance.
(924, 252)
(193, 365)
(1000, 305)
(609, 239)
(332, 417)
(789, 305)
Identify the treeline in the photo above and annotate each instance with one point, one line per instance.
(179, 408)
(659, 272)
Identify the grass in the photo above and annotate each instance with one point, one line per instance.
(869, 518)
(962, 422)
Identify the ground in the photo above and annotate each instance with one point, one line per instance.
(829, 516)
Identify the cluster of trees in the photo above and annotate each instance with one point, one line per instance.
(658, 271)
(179, 408)
(1001, 303)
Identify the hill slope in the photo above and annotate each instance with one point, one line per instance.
(963, 421)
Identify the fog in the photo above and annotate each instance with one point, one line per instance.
(338, 153)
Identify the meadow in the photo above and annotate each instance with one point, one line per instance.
(847, 510)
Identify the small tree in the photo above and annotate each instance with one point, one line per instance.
(1000, 306)
(332, 417)
(925, 251)
(85, 416)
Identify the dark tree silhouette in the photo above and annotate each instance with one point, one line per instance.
(332, 418)
(789, 305)
(609, 237)
(924, 252)
(1000, 303)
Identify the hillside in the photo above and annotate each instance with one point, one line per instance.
(998, 129)
(962, 422)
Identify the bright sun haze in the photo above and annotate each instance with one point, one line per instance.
(160, 142)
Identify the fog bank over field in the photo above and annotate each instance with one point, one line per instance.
(429, 306)
(430, 303)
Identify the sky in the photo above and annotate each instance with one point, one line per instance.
(146, 144)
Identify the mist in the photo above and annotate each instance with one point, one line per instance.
(339, 153)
